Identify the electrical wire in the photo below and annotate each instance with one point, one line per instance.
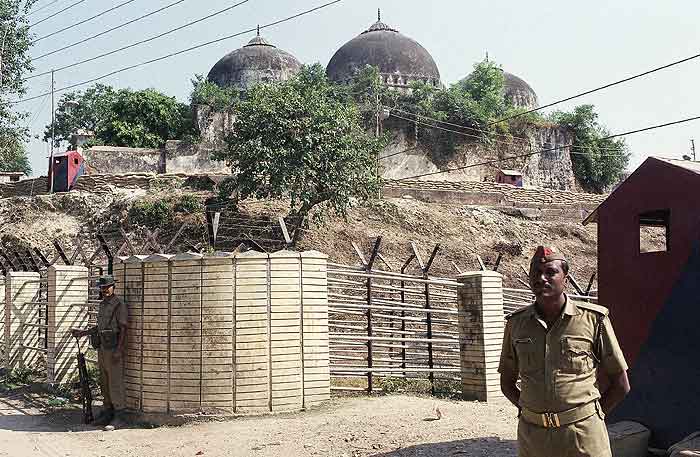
(35, 116)
(138, 43)
(177, 53)
(597, 89)
(505, 143)
(105, 32)
(475, 129)
(84, 21)
(43, 7)
(520, 156)
(57, 13)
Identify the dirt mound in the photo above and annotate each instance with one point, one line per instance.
(463, 232)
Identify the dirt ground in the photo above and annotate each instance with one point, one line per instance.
(390, 426)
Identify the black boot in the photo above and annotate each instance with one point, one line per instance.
(105, 418)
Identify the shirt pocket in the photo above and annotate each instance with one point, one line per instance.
(527, 356)
(576, 355)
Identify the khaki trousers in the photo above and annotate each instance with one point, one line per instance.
(112, 379)
(586, 438)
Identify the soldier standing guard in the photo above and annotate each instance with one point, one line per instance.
(557, 347)
(109, 338)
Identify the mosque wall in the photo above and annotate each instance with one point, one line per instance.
(408, 157)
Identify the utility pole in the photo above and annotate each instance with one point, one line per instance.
(53, 130)
(692, 148)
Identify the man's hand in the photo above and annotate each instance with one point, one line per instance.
(509, 387)
(78, 333)
(619, 388)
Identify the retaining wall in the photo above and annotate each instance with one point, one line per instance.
(241, 334)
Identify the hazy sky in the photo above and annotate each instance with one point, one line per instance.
(559, 48)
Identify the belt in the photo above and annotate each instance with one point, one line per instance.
(555, 420)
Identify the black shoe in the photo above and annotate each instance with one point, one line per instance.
(105, 418)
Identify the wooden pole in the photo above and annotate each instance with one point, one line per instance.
(370, 333)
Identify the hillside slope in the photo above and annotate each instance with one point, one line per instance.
(462, 231)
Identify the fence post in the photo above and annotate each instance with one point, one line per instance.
(481, 324)
(67, 309)
(20, 287)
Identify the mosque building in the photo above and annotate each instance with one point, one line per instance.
(257, 62)
(400, 60)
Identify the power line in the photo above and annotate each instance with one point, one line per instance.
(43, 7)
(470, 135)
(606, 86)
(57, 13)
(138, 43)
(506, 143)
(105, 32)
(457, 125)
(218, 40)
(84, 21)
(520, 156)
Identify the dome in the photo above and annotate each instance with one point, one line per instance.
(519, 93)
(257, 62)
(400, 59)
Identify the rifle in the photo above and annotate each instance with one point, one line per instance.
(84, 386)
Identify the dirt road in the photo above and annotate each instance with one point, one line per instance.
(392, 426)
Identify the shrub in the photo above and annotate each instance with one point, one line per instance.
(188, 204)
(151, 214)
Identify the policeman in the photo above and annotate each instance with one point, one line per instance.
(557, 347)
(109, 338)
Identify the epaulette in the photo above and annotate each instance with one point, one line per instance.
(518, 311)
(592, 307)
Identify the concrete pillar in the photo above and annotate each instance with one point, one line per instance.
(129, 276)
(481, 324)
(67, 309)
(314, 311)
(21, 288)
(252, 383)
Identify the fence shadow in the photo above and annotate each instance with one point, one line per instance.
(491, 446)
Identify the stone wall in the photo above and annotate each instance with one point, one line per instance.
(405, 157)
(183, 158)
(116, 160)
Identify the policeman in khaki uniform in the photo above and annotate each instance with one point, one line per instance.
(557, 347)
(110, 337)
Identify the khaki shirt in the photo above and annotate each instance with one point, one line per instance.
(112, 306)
(557, 366)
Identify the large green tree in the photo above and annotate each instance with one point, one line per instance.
(15, 63)
(124, 117)
(599, 163)
(303, 141)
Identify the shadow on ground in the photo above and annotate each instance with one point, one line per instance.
(476, 447)
(28, 410)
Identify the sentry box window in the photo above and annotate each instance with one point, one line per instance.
(654, 231)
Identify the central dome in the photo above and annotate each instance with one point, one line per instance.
(400, 59)
(255, 63)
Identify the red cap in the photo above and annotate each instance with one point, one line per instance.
(546, 254)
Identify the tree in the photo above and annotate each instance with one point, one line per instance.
(599, 163)
(205, 92)
(15, 62)
(303, 141)
(485, 85)
(124, 117)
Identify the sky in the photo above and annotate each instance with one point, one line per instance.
(559, 48)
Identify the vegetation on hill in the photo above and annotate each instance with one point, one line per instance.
(15, 63)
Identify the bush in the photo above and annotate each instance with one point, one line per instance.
(151, 214)
(188, 204)
(17, 378)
